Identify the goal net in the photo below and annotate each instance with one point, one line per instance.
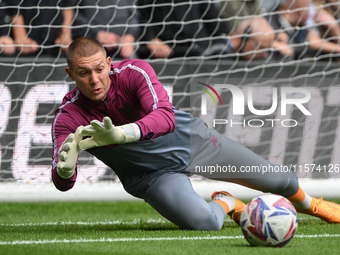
(280, 99)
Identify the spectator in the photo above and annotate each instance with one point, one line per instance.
(246, 17)
(271, 5)
(332, 6)
(326, 18)
(112, 22)
(296, 18)
(6, 42)
(39, 26)
(177, 29)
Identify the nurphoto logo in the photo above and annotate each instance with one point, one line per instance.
(242, 97)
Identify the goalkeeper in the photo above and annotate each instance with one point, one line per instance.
(121, 114)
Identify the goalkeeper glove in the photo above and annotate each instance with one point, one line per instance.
(105, 133)
(68, 154)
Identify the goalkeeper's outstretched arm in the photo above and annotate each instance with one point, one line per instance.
(64, 166)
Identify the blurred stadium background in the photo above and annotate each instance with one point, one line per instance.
(32, 87)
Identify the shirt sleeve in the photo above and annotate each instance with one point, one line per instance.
(154, 101)
(59, 133)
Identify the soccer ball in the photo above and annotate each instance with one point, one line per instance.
(269, 220)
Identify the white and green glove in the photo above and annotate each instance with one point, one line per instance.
(68, 154)
(105, 133)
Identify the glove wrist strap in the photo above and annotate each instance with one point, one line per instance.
(131, 132)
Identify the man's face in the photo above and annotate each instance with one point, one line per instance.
(91, 75)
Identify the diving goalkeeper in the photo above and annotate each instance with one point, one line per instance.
(120, 113)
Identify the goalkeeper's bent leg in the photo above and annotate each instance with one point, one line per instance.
(173, 197)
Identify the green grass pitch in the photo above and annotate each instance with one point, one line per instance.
(133, 227)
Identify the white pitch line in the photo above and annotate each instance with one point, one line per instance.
(115, 222)
(317, 236)
(111, 240)
(124, 239)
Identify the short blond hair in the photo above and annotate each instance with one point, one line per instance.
(83, 47)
